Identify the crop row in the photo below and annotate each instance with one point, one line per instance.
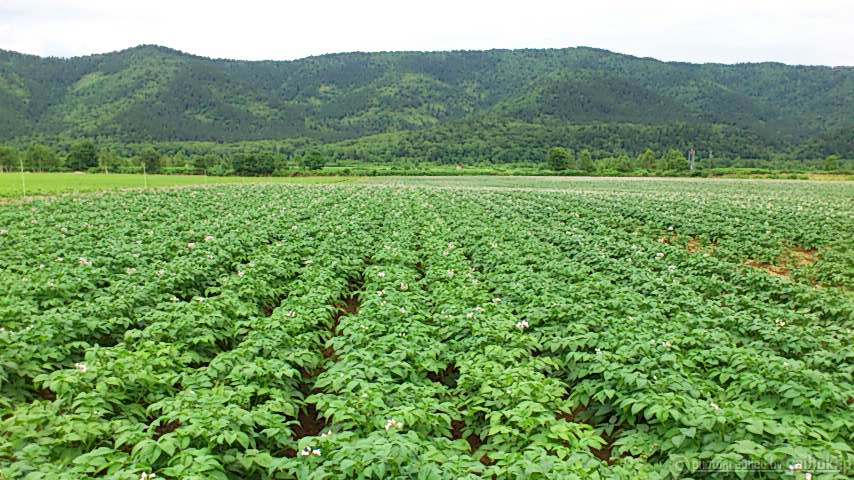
(382, 332)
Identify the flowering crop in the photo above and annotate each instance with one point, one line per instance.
(258, 332)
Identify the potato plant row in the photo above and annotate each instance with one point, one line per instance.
(262, 332)
(675, 356)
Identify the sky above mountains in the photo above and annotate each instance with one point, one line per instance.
(816, 32)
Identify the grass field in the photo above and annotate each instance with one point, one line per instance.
(55, 183)
(428, 328)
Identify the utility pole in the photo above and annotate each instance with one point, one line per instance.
(144, 176)
(23, 182)
(691, 155)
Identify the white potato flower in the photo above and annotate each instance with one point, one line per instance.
(393, 424)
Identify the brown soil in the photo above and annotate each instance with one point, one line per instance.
(693, 245)
(604, 453)
(46, 394)
(802, 257)
(350, 306)
(457, 427)
(310, 423)
(570, 417)
(772, 269)
(475, 442)
(165, 428)
(447, 377)
(795, 257)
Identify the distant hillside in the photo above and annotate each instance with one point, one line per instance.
(574, 95)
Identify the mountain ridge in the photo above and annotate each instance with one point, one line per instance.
(155, 93)
(381, 52)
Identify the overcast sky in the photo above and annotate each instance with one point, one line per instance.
(728, 31)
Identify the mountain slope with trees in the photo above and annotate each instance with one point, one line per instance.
(440, 101)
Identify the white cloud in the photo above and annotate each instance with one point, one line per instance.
(729, 31)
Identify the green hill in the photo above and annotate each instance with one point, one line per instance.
(444, 100)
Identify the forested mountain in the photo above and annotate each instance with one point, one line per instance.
(440, 100)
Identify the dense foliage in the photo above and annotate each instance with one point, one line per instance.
(451, 106)
(591, 329)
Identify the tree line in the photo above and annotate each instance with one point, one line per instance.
(560, 159)
(270, 158)
(85, 156)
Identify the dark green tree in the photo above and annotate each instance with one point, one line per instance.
(254, 164)
(41, 158)
(675, 160)
(624, 163)
(558, 158)
(585, 161)
(831, 162)
(203, 162)
(222, 167)
(242, 163)
(8, 159)
(180, 159)
(606, 165)
(265, 164)
(83, 156)
(647, 159)
(313, 160)
(151, 159)
(108, 161)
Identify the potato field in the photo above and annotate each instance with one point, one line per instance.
(430, 329)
